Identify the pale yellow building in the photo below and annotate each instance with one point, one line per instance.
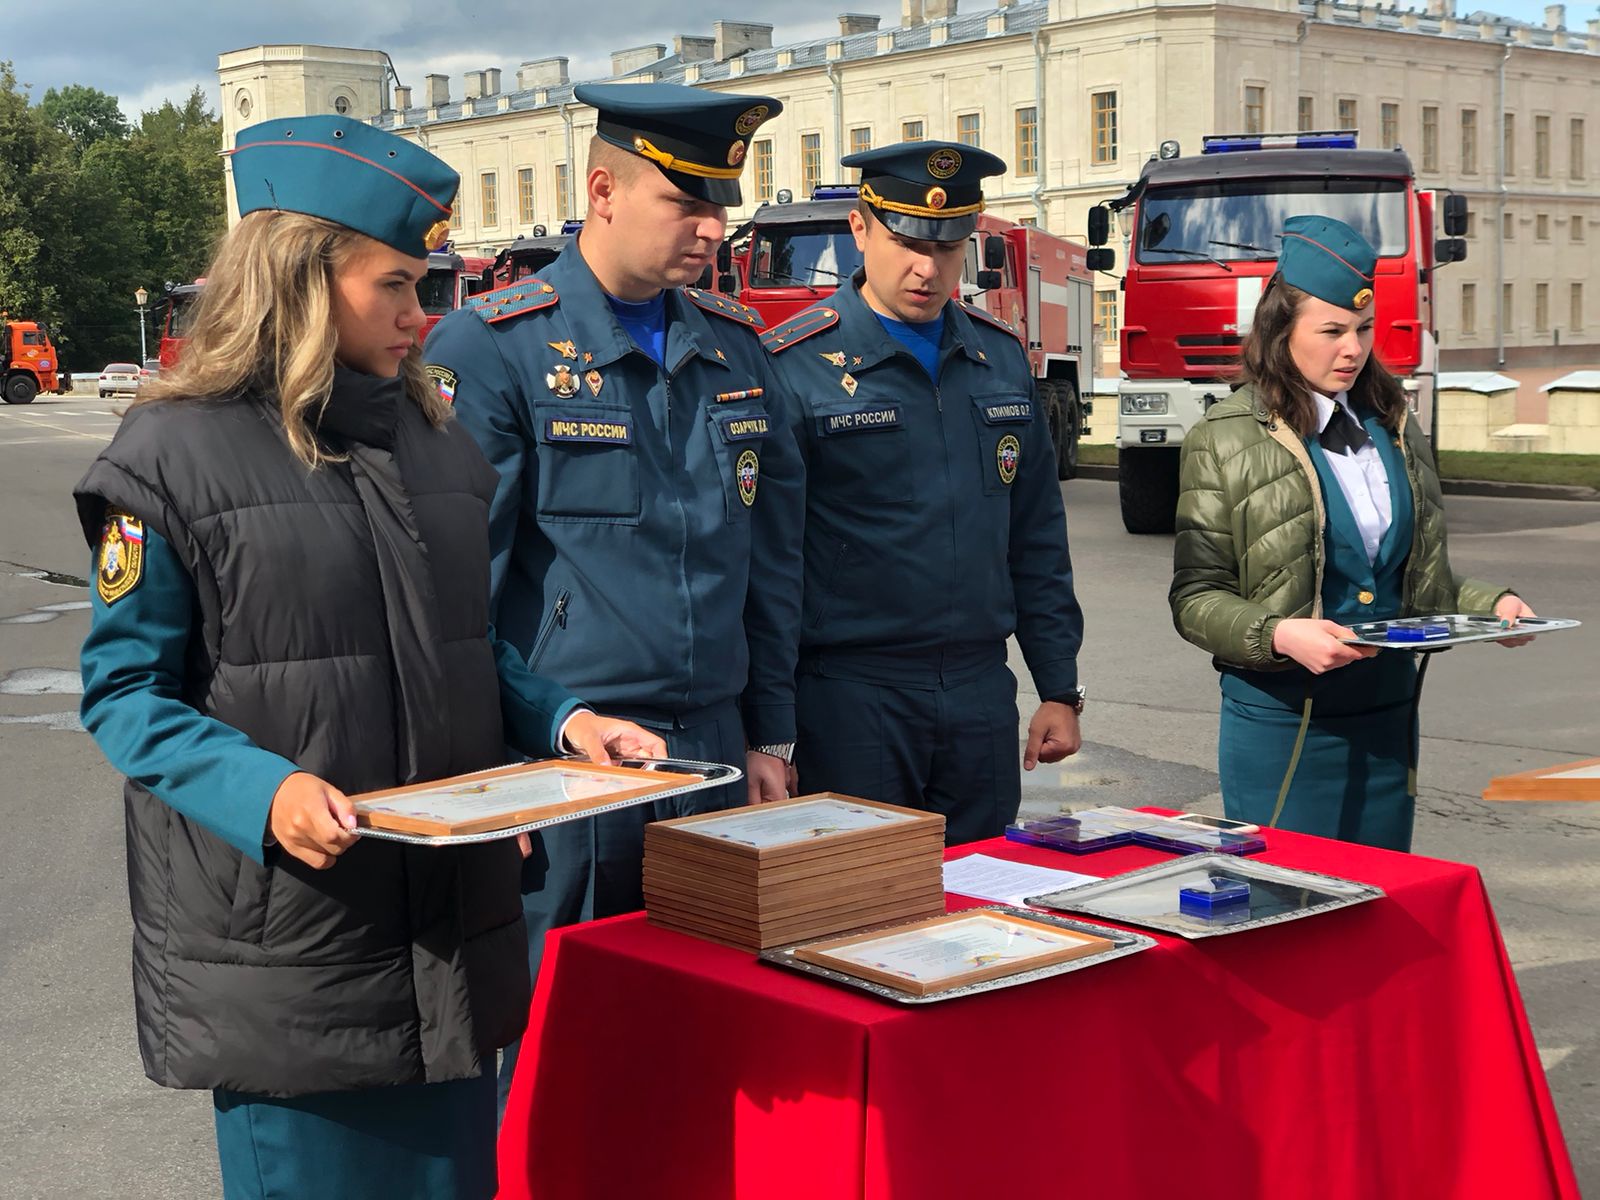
(1076, 95)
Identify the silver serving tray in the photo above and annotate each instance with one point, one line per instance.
(1126, 941)
(1463, 629)
(716, 774)
(1142, 897)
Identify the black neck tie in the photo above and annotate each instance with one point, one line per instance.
(1343, 434)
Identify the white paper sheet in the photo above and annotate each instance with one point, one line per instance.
(987, 878)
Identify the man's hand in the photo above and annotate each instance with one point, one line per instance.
(767, 777)
(600, 739)
(311, 820)
(1053, 734)
(1315, 644)
(1511, 609)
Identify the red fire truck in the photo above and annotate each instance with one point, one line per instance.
(451, 278)
(790, 255)
(1202, 236)
(180, 300)
(530, 255)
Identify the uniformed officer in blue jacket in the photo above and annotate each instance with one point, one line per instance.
(934, 526)
(646, 527)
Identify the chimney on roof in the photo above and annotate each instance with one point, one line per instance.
(739, 37)
(1555, 16)
(474, 88)
(402, 98)
(694, 49)
(491, 81)
(1441, 8)
(910, 13)
(852, 23)
(436, 90)
(542, 73)
(939, 10)
(624, 62)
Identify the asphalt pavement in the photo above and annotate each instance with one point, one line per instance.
(78, 1118)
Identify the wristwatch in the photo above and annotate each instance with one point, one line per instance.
(1072, 699)
(783, 750)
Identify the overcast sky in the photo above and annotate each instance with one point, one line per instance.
(145, 53)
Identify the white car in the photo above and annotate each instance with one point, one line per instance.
(123, 378)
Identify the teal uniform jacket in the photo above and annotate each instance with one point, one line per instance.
(1355, 777)
(134, 667)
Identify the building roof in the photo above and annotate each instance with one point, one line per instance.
(1485, 382)
(1578, 381)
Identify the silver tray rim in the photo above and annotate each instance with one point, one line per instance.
(1128, 942)
(715, 775)
(1062, 901)
(1545, 625)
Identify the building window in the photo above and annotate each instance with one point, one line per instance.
(1469, 141)
(1575, 300)
(1506, 294)
(1105, 316)
(810, 162)
(969, 129)
(1541, 227)
(910, 131)
(341, 105)
(763, 169)
(1255, 109)
(1389, 125)
(489, 198)
(1027, 155)
(1469, 309)
(1541, 147)
(1541, 308)
(1509, 146)
(1103, 107)
(563, 192)
(1307, 114)
(1575, 148)
(1347, 113)
(525, 211)
(860, 142)
(1508, 226)
(1472, 224)
(455, 210)
(1577, 227)
(1430, 137)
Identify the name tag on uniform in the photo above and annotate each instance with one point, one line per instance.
(860, 421)
(743, 429)
(582, 429)
(1006, 412)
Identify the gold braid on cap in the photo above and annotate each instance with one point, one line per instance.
(870, 195)
(669, 162)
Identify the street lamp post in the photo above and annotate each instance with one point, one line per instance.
(140, 297)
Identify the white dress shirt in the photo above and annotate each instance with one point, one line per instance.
(1362, 478)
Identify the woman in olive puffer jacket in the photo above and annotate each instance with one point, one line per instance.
(1309, 502)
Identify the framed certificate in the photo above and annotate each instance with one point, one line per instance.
(512, 799)
(799, 828)
(952, 951)
(1567, 781)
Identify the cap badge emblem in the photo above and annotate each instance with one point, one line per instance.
(942, 164)
(750, 120)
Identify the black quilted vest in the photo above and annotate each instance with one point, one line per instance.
(343, 622)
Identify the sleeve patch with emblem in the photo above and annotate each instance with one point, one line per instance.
(120, 565)
(444, 379)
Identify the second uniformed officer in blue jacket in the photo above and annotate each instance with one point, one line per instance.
(646, 526)
(934, 524)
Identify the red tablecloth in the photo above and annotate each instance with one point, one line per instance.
(1379, 1051)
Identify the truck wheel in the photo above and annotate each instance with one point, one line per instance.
(1070, 413)
(21, 389)
(1147, 483)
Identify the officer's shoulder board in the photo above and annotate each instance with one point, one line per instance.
(524, 296)
(984, 315)
(723, 306)
(780, 337)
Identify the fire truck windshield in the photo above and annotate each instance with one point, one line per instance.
(1241, 219)
(181, 314)
(437, 292)
(803, 256)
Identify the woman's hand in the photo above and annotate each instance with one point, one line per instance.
(1510, 610)
(1315, 644)
(600, 739)
(311, 820)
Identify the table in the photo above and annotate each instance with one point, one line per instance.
(1378, 1051)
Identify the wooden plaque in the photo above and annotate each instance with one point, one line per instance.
(1568, 781)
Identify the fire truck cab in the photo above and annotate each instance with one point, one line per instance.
(1201, 239)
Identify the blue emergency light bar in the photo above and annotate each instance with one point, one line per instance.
(1343, 139)
(572, 226)
(835, 191)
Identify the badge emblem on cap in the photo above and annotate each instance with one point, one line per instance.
(937, 197)
(1362, 298)
(437, 232)
(735, 154)
(1006, 455)
(562, 381)
(750, 120)
(942, 164)
(747, 472)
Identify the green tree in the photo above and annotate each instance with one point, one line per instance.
(84, 114)
(36, 196)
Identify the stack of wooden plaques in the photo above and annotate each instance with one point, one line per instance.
(772, 874)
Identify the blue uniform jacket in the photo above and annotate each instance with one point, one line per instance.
(933, 513)
(646, 528)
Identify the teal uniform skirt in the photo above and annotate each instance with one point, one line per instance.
(433, 1141)
(1355, 779)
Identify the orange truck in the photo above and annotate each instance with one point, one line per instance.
(29, 363)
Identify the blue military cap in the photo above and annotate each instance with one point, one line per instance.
(931, 191)
(347, 172)
(1329, 260)
(699, 139)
